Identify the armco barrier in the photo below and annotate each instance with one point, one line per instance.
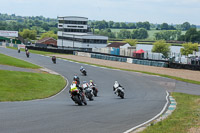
(124, 60)
(134, 61)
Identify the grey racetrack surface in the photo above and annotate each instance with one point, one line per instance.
(144, 99)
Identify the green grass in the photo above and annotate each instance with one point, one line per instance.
(11, 61)
(20, 86)
(33, 51)
(186, 115)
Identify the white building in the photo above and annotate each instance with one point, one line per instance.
(73, 32)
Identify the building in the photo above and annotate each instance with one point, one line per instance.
(48, 41)
(119, 45)
(74, 32)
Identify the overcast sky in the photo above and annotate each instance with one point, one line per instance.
(154, 11)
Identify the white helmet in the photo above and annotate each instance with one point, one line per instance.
(116, 82)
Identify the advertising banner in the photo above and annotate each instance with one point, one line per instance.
(6, 33)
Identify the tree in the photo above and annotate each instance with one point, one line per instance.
(132, 42)
(164, 26)
(146, 25)
(139, 34)
(123, 25)
(167, 35)
(131, 26)
(49, 34)
(185, 26)
(161, 47)
(124, 34)
(116, 25)
(192, 35)
(106, 32)
(188, 48)
(142, 33)
(110, 24)
(28, 34)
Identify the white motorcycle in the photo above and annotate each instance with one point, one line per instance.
(88, 91)
(119, 91)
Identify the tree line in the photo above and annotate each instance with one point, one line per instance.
(146, 25)
(124, 33)
(39, 24)
(17, 23)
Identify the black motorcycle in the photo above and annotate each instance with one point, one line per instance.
(78, 97)
(84, 72)
(27, 54)
(120, 92)
(54, 59)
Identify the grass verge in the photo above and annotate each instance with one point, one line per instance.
(150, 73)
(20, 86)
(11, 61)
(33, 51)
(185, 118)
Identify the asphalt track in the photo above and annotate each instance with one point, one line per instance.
(145, 97)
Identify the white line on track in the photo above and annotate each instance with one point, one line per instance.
(164, 108)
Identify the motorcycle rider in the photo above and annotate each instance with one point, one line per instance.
(54, 59)
(81, 69)
(73, 87)
(85, 85)
(76, 78)
(91, 83)
(27, 53)
(115, 86)
(18, 49)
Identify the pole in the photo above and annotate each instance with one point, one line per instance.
(62, 39)
(73, 41)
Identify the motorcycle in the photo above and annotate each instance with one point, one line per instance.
(78, 97)
(27, 54)
(95, 90)
(84, 72)
(88, 92)
(120, 92)
(54, 59)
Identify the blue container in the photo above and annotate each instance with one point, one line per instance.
(115, 51)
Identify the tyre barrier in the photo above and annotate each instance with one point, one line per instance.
(134, 61)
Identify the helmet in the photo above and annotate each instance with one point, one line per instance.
(84, 82)
(116, 82)
(91, 81)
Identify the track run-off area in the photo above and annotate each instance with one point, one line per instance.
(145, 98)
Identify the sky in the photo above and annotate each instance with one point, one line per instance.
(154, 11)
